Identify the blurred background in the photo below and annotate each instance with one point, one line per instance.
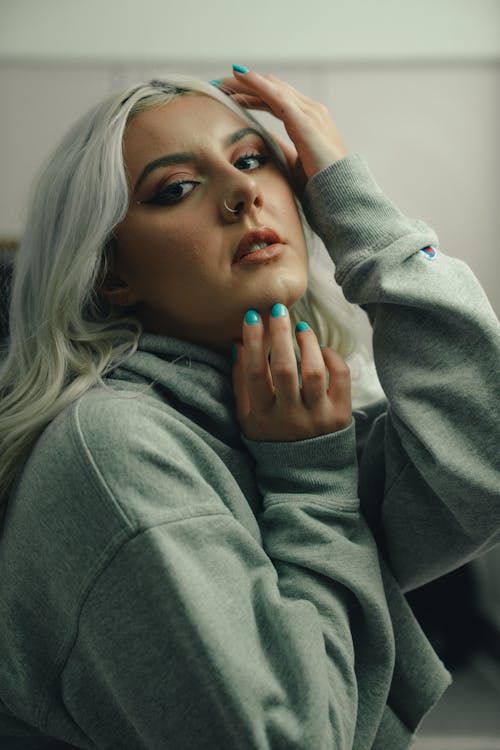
(415, 87)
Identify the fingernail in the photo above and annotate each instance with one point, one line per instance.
(216, 82)
(302, 326)
(251, 317)
(240, 69)
(234, 352)
(278, 310)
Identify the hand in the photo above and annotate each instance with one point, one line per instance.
(271, 405)
(308, 123)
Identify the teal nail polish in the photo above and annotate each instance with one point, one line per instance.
(278, 310)
(234, 352)
(240, 69)
(301, 326)
(251, 317)
(216, 81)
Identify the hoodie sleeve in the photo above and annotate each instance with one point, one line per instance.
(437, 347)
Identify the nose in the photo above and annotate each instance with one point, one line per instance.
(241, 195)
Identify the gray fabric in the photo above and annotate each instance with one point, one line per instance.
(167, 584)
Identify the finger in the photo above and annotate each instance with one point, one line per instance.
(279, 98)
(259, 384)
(339, 387)
(283, 361)
(312, 366)
(250, 102)
(244, 91)
(247, 101)
(267, 86)
(263, 88)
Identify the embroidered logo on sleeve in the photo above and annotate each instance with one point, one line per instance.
(430, 252)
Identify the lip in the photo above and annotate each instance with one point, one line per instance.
(260, 234)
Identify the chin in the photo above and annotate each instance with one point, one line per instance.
(288, 290)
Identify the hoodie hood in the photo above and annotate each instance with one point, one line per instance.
(196, 382)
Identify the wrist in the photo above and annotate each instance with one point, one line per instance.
(335, 449)
(324, 468)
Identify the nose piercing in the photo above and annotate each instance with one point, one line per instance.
(233, 210)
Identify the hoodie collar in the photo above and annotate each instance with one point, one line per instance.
(194, 380)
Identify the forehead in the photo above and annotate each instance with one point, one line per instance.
(186, 123)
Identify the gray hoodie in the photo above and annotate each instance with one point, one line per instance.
(166, 583)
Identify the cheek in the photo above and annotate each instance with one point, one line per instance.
(148, 252)
(288, 207)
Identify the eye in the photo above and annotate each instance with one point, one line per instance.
(248, 162)
(172, 193)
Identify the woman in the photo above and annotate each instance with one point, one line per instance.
(184, 564)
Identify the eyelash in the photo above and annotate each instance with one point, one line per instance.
(260, 158)
(163, 199)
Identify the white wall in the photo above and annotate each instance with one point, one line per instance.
(260, 30)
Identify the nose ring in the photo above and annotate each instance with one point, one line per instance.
(232, 210)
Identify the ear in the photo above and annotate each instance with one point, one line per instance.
(117, 291)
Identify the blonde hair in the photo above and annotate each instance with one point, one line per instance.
(63, 337)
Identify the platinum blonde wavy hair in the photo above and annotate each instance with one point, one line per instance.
(64, 338)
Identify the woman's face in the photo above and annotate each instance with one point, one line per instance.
(190, 266)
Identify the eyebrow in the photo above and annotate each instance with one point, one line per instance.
(184, 156)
